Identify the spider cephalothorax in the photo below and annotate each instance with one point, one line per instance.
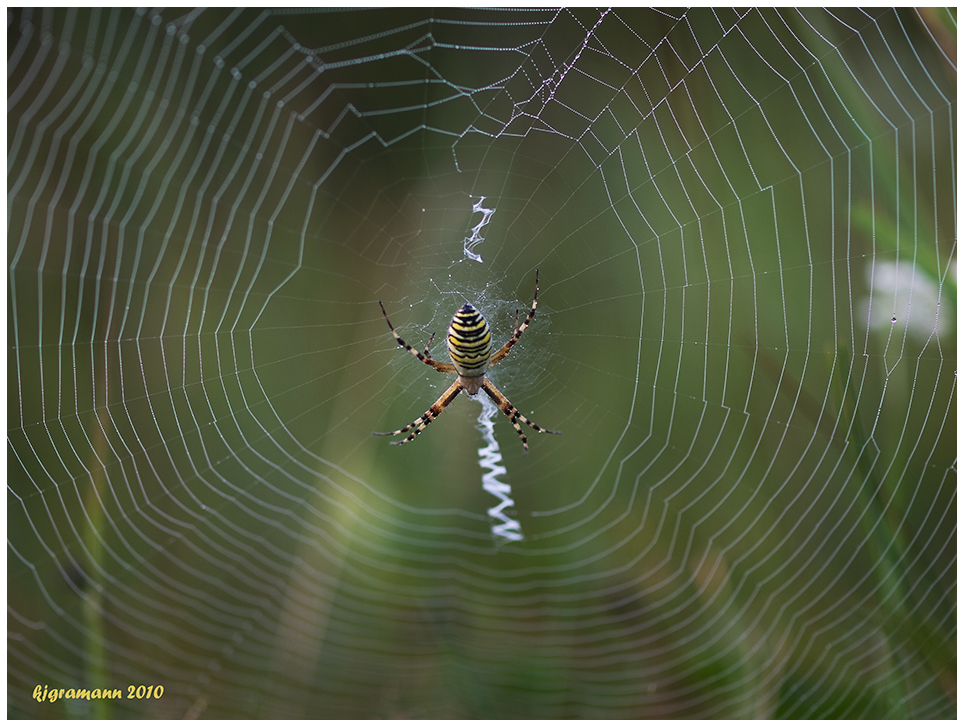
(471, 350)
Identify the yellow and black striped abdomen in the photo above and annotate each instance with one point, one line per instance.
(470, 342)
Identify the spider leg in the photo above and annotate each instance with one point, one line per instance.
(423, 356)
(514, 415)
(517, 328)
(425, 351)
(434, 411)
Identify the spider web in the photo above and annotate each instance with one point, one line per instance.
(744, 223)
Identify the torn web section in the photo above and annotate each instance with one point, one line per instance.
(503, 526)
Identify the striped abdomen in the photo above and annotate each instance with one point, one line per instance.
(470, 342)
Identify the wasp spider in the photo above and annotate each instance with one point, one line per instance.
(471, 350)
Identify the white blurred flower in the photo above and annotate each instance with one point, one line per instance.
(904, 296)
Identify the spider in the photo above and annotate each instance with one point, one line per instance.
(471, 350)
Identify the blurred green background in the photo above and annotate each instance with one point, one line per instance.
(744, 224)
